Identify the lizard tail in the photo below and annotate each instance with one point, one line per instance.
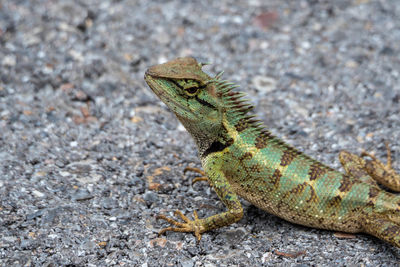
(383, 227)
(384, 221)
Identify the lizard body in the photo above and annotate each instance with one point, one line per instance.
(241, 158)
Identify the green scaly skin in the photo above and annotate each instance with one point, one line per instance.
(241, 158)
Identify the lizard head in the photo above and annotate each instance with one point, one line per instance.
(184, 88)
(199, 101)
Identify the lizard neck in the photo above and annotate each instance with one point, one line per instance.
(211, 140)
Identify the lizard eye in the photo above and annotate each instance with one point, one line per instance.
(191, 90)
(190, 87)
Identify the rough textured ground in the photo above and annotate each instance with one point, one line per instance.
(88, 155)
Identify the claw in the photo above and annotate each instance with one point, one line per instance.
(183, 217)
(367, 154)
(194, 226)
(383, 173)
(199, 179)
(196, 170)
(388, 157)
(197, 230)
(169, 220)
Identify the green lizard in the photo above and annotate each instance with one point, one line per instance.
(241, 158)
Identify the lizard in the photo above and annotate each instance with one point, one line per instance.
(241, 158)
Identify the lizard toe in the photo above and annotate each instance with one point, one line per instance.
(188, 226)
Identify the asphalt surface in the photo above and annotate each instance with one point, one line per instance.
(89, 156)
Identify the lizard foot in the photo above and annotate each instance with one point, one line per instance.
(382, 173)
(203, 176)
(194, 226)
(354, 166)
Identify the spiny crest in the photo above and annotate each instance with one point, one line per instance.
(233, 100)
(237, 106)
(237, 114)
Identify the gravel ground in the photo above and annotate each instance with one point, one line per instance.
(88, 155)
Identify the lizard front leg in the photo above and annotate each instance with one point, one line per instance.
(198, 226)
